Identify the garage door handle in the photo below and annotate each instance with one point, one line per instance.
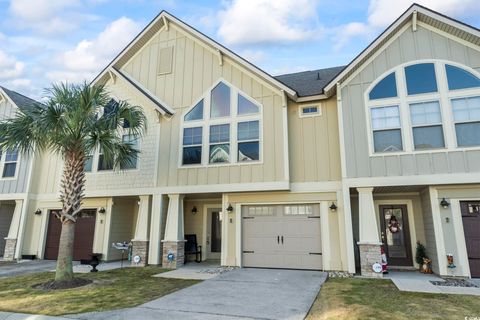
(278, 239)
(282, 239)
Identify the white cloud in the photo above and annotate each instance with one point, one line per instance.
(382, 13)
(10, 67)
(268, 21)
(90, 56)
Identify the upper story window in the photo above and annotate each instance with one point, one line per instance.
(9, 162)
(222, 128)
(309, 111)
(424, 106)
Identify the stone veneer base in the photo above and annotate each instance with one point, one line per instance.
(370, 254)
(140, 248)
(10, 245)
(178, 250)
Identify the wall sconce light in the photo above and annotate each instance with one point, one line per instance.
(229, 208)
(194, 210)
(444, 203)
(102, 210)
(38, 212)
(333, 207)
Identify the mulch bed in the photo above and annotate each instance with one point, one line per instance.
(455, 283)
(61, 285)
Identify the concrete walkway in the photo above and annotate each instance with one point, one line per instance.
(238, 294)
(23, 316)
(419, 282)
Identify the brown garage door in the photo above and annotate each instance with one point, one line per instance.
(471, 226)
(283, 236)
(84, 231)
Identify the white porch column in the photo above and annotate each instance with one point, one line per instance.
(174, 240)
(369, 243)
(140, 241)
(11, 240)
(156, 232)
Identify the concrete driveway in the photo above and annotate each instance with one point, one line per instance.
(26, 267)
(241, 293)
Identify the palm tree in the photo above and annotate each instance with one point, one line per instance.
(75, 121)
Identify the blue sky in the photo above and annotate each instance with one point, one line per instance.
(45, 41)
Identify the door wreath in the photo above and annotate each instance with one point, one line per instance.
(393, 225)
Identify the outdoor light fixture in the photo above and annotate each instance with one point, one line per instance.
(194, 210)
(229, 208)
(444, 203)
(38, 212)
(333, 207)
(102, 210)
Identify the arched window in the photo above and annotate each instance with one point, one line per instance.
(424, 106)
(223, 127)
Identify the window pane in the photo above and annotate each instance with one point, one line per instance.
(219, 153)
(428, 137)
(385, 117)
(11, 155)
(196, 113)
(466, 109)
(309, 110)
(220, 133)
(460, 79)
(245, 106)
(386, 88)
(192, 155)
(9, 170)
(248, 130)
(425, 113)
(468, 134)
(130, 138)
(102, 163)
(110, 108)
(248, 151)
(192, 136)
(387, 140)
(421, 78)
(88, 164)
(220, 101)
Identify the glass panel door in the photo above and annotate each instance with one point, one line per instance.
(395, 235)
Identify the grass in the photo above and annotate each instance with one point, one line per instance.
(113, 289)
(355, 298)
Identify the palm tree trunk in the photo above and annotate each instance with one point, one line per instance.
(64, 270)
(71, 196)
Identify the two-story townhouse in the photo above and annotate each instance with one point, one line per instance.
(231, 155)
(409, 111)
(15, 180)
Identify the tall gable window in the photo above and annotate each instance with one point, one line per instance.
(222, 128)
(424, 106)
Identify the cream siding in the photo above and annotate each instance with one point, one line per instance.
(6, 214)
(430, 241)
(122, 225)
(408, 47)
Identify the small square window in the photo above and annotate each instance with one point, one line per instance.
(310, 111)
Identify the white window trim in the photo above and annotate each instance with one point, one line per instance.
(2, 167)
(233, 120)
(443, 96)
(309, 115)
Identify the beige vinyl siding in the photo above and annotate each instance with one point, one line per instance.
(6, 214)
(196, 69)
(408, 47)
(430, 241)
(19, 183)
(314, 143)
(122, 225)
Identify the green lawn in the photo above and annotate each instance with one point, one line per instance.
(355, 298)
(114, 289)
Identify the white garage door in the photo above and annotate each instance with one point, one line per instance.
(283, 236)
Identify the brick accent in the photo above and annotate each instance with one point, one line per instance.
(10, 245)
(370, 254)
(178, 249)
(140, 248)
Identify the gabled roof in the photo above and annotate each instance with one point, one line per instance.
(416, 12)
(164, 18)
(310, 83)
(19, 100)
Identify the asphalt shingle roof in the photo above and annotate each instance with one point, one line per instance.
(309, 83)
(19, 99)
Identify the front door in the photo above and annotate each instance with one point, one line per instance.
(214, 234)
(396, 235)
(471, 226)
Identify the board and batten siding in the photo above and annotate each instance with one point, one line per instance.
(430, 241)
(19, 183)
(195, 69)
(314, 143)
(409, 46)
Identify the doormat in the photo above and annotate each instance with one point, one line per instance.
(455, 283)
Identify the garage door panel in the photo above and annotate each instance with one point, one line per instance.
(298, 224)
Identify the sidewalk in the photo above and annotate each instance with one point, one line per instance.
(24, 316)
(415, 281)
